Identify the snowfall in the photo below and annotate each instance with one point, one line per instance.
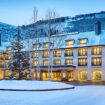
(80, 95)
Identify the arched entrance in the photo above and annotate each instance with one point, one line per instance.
(44, 75)
(82, 75)
(64, 75)
(71, 75)
(96, 75)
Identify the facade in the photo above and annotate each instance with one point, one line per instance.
(77, 54)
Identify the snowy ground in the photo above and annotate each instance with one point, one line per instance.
(32, 85)
(81, 95)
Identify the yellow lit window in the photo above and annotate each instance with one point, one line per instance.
(45, 62)
(69, 42)
(97, 75)
(8, 48)
(82, 62)
(46, 45)
(69, 61)
(82, 51)
(1, 64)
(7, 56)
(82, 41)
(69, 52)
(97, 61)
(82, 75)
(96, 51)
(35, 63)
(1, 55)
(35, 54)
(45, 53)
(57, 62)
(57, 53)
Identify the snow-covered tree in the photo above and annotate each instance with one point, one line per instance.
(19, 63)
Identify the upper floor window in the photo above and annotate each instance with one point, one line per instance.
(35, 54)
(83, 41)
(97, 61)
(68, 52)
(96, 51)
(45, 53)
(68, 61)
(35, 45)
(69, 42)
(82, 61)
(35, 62)
(1, 64)
(46, 45)
(45, 62)
(9, 48)
(57, 62)
(1, 55)
(57, 53)
(7, 56)
(82, 51)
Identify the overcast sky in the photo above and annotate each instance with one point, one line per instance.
(18, 12)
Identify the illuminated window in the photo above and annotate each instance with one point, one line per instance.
(1, 55)
(7, 56)
(97, 75)
(83, 41)
(8, 48)
(1, 64)
(6, 63)
(57, 53)
(45, 62)
(56, 75)
(57, 62)
(69, 42)
(97, 61)
(96, 51)
(82, 75)
(35, 63)
(82, 62)
(69, 61)
(82, 51)
(69, 52)
(34, 54)
(46, 45)
(45, 53)
(35, 45)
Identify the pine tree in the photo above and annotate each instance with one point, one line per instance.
(19, 63)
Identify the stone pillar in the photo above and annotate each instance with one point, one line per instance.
(103, 63)
(62, 57)
(75, 63)
(89, 67)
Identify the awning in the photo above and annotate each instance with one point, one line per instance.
(56, 68)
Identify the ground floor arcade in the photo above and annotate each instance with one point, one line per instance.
(58, 74)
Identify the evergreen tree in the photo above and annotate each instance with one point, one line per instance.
(19, 63)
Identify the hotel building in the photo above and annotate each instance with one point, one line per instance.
(76, 54)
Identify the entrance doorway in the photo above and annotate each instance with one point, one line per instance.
(82, 75)
(97, 75)
(71, 75)
(56, 75)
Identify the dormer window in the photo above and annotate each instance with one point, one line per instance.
(69, 42)
(83, 41)
(35, 45)
(46, 45)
